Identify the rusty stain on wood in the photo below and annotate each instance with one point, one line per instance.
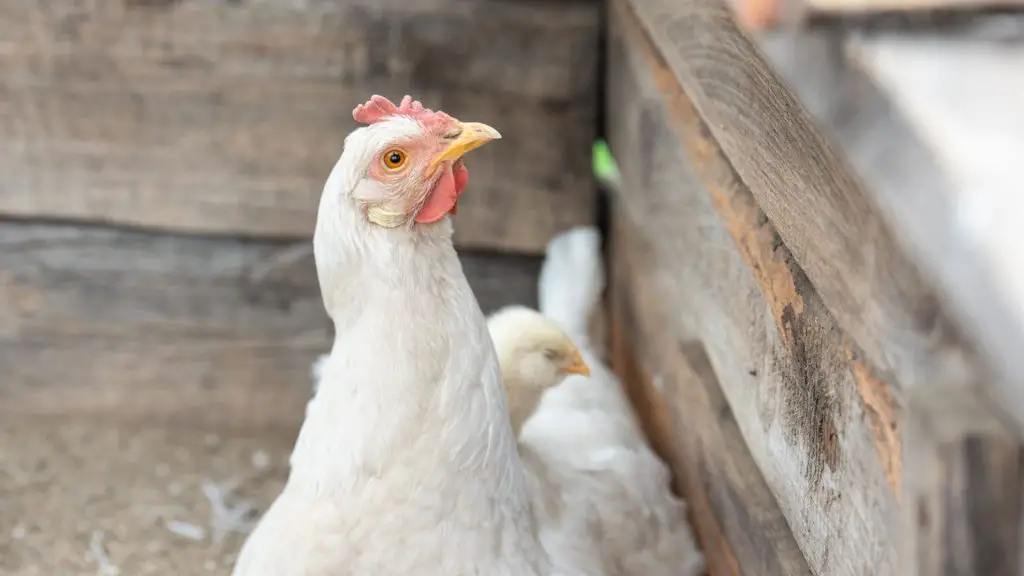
(883, 414)
(745, 221)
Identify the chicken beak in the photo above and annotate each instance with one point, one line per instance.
(577, 365)
(471, 136)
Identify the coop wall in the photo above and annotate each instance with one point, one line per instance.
(163, 162)
(721, 312)
(826, 402)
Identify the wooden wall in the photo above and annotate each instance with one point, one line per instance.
(673, 384)
(880, 426)
(163, 162)
(771, 13)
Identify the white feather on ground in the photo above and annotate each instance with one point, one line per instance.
(587, 438)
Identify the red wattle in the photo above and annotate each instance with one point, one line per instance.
(461, 181)
(440, 201)
(461, 178)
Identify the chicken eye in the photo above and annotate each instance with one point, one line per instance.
(550, 354)
(394, 159)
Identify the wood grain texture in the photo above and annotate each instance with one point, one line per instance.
(804, 395)
(761, 14)
(914, 186)
(193, 331)
(974, 129)
(954, 526)
(830, 222)
(226, 117)
(963, 514)
(859, 6)
(671, 383)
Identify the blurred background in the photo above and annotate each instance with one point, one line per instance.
(851, 161)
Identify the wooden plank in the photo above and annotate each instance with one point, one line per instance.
(974, 127)
(945, 194)
(737, 520)
(860, 6)
(226, 117)
(963, 512)
(820, 420)
(208, 332)
(950, 527)
(942, 402)
(760, 14)
(939, 149)
(825, 216)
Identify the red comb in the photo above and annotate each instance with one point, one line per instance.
(378, 108)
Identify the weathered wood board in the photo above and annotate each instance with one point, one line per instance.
(182, 330)
(820, 422)
(671, 383)
(226, 117)
(805, 188)
(758, 14)
(963, 500)
(947, 187)
(973, 124)
(936, 379)
(857, 6)
(930, 184)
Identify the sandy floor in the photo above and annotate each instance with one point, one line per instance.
(90, 499)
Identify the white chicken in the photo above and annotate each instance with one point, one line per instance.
(535, 355)
(583, 448)
(406, 462)
(600, 495)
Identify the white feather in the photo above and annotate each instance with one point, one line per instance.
(316, 370)
(406, 463)
(585, 447)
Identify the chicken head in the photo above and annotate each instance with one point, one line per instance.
(535, 354)
(410, 167)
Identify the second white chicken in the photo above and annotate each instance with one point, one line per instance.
(584, 449)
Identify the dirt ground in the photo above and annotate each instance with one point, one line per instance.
(87, 498)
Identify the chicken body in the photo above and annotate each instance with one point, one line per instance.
(405, 463)
(601, 495)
